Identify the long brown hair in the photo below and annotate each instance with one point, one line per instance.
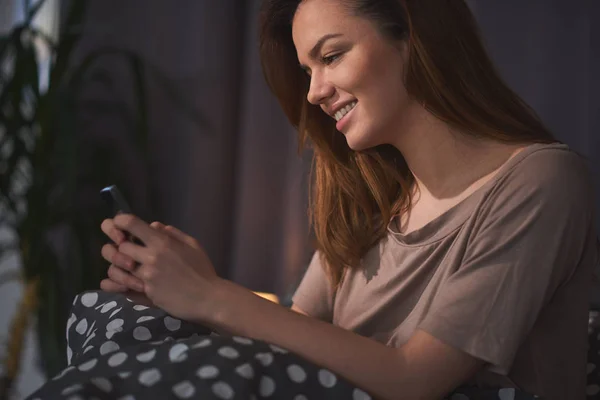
(355, 194)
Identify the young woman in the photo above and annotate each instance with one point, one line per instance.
(455, 242)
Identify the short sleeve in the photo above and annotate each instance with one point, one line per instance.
(314, 295)
(528, 237)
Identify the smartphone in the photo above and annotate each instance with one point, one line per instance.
(117, 204)
(115, 200)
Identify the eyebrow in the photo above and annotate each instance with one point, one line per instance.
(317, 47)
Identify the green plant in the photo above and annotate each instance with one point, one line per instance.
(43, 172)
(40, 164)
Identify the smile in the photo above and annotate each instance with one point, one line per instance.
(340, 114)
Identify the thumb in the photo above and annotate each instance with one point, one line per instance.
(179, 235)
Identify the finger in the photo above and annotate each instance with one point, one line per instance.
(139, 254)
(109, 285)
(111, 254)
(108, 252)
(109, 228)
(157, 225)
(138, 228)
(183, 237)
(124, 278)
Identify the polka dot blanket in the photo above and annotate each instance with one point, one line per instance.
(118, 349)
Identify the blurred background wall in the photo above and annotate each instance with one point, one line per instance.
(222, 161)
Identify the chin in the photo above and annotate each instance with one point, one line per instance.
(360, 142)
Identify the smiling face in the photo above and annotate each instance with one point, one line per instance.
(356, 73)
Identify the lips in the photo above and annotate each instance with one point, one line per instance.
(344, 110)
(346, 116)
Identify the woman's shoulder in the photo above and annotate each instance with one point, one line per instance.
(548, 168)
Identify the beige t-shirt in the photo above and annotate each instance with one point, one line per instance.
(505, 276)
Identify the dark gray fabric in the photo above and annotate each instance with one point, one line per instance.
(235, 182)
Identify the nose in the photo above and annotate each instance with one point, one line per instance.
(319, 89)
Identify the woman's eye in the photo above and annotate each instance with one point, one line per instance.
(329, 59)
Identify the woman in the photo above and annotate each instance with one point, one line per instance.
(454, 234)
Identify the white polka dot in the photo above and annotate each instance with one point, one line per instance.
(139, 307)
(69, 355)
(178, 352)
(112, 314)
(89, 338)
(222, 390)
(327, 379)
(242, 340)
(592, 390)
(71, 389)
(91, 328)
(142, 333)
(88, 349)
(506, 394)
(278, 349)
(296, 373)
(184, 390)
(81, 326)
(117, 359)
(245, 371)
(144, 319)
(64, 372)
(358, 394)
(172, 324)
(115, 325)
(108, 347)
(228, 352)
(102, 384)
(71, 321)
(202, 343)
(265, 358)
(89, 299)
(266, 386)
(149, 377)
(86, 366)
(147, 356)
(300, 397)
(124, 375)
(208, 372)
(108, 306)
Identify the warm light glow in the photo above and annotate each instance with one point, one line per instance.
(268, 296)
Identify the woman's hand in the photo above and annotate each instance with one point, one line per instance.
(120, 279)
(172, 269)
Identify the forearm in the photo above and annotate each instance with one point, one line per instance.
(367, 364)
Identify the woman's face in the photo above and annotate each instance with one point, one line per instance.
(356, 73)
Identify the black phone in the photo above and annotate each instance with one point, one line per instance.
(115, 200)
(117, 204)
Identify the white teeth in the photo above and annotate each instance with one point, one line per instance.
(340, 114)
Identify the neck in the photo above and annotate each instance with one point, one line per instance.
(445, 162)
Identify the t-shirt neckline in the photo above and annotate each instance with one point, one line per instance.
(455, 217)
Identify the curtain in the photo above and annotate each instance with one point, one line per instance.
(227, 171)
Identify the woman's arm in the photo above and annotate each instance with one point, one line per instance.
(424, 368)
(177, 276)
